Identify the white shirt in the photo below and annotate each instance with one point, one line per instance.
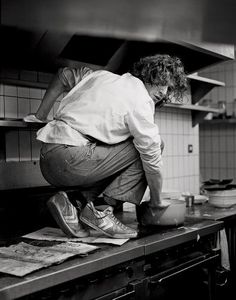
(109, 108)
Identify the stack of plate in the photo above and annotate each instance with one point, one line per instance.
(222, 198)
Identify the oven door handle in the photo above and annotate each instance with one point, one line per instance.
(183, 268)
(124, 296)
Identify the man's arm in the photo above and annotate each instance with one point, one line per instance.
(55, 89)
(155, 185)
(150, 146)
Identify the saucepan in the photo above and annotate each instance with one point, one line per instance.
(173, 215)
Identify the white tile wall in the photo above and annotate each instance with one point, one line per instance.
(218, 141)
(181, 169)
(12, 145)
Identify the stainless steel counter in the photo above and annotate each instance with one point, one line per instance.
(228, 216)
(149, 242)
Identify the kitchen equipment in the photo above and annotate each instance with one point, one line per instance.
(217, 184)
(222, 198)
(188, 198)
(173, 215)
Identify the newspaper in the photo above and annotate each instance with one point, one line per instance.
(22, 258)
(56, 234)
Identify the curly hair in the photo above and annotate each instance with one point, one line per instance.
(163, 69)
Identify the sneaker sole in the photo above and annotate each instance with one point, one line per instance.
(115, 236)
(60, 221)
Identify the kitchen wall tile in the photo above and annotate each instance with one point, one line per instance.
(10, 90)
(208, 161)
(223, 160)
(24, 145)
(2, 114)
(1, 89)
(230, 158)
(229, 77)
(23, 92)
(168, 144)
(222, 146)
(215, 143)
(10, 107)
(35, 93)
(23, 107)
(215, 160)
(215, 174)
(12, 145)
(175, 144)
(230, 143)
(230, 174)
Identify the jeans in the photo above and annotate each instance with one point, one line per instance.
(116, 171)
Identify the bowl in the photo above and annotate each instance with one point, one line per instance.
(221, 201)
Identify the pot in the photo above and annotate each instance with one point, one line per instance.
(173, 215)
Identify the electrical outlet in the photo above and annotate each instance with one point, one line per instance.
(190, 148)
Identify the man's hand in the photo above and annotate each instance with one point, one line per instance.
(150, 216)
(31, 118)
(162, 204)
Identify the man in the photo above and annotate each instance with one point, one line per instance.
(103, 140)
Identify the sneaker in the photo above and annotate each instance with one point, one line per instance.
(65, 214)
(105, 222)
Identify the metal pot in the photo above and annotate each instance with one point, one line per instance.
(173, 215)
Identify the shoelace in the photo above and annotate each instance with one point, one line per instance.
(117, 222)
(95, 212)
(109, 212)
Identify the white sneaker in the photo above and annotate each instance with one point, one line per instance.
(65, 214)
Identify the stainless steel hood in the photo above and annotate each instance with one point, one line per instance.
(43, 35)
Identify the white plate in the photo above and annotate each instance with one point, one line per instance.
(200, 199)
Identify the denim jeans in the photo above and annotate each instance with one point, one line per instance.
(114, 170)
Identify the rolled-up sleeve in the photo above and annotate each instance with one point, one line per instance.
(147, 139)
(71, 76)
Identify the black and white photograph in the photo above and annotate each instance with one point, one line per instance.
(118, 150)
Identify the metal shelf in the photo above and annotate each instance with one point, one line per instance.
(200, 86)
(19, 123)
(219, 121)
(198, 111)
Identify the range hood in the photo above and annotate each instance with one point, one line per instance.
(44, 35)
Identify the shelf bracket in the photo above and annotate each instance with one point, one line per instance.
(198, 116)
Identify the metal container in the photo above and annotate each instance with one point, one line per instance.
(189, 200)
(173, 215)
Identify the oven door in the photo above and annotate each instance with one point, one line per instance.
(193, 279)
